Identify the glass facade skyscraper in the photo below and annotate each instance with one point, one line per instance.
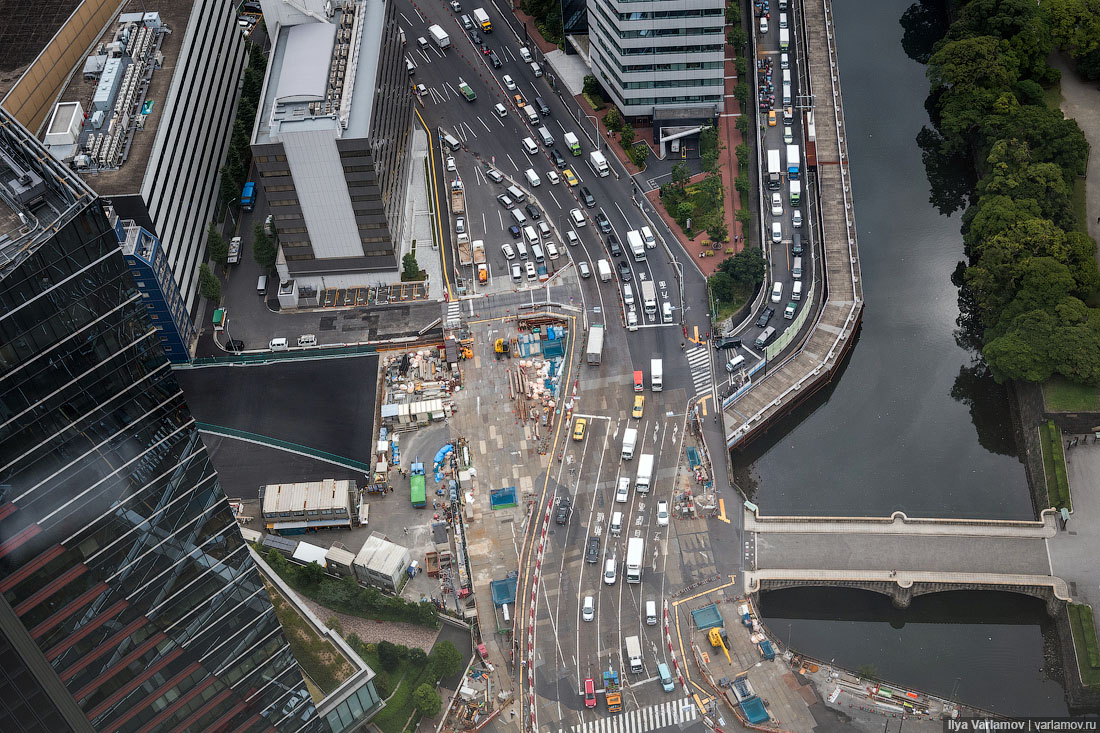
(130, 601)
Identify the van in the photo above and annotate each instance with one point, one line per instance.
(777, 232)
(648, 238)
(616, 524)
(536, 253)
(517, 272)
(764, 337)
(532, 177)
(547, 138)
(307, 339)
(540, 105)
(583, 268)
(544, 230)
(525, 55)
(410, 66)
(466, 22)
(278, 344)
(666, 678)
(796, 270)
(517, 195)
(784, 61)
(519, 217)
(422, 42)
(530, 147)
(451, 142)
(651, 613)
(796, 243)
(609, 575)
(628, 294)
(777, 291)
(786, 76)
(782, 20)
(532, 114)
(530, 235)
(261, 285)
(666, 312)
(521, 250)
(552, 250)
(631, 319)
(536, 69)
(735, 363)
(796, 293)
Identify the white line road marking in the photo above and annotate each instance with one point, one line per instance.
(507, 155)
(483, 124)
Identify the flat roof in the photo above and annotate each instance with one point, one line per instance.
(128, 177)
(305, 496)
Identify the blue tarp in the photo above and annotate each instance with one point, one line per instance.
(754, 711)
(437, 463)
(707, 617)
(504, 591)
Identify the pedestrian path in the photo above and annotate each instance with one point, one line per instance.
(653, 718)
(699, 362)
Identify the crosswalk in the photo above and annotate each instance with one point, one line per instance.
(453, 316)
(699, 362)
(652, 718)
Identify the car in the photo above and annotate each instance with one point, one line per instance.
(509, 253)
(771, 118)
(763, 24)
(624, 271)
(777, 204)
(493, 175)
(588, 608)
(553, 177)
(532, 211)
(578, 218)
(495, 60)
(456, 6)
(500, 109)
(796, 243)
(485, 50)
(583, 269)
(613, 245)
(603, 222)
(532, 273)
(559, 161)
(726, 343)
(234, 345)
(422, 42)
(421, 90)
(579, 425)
(592, 550)
(519, 101)
(506, 201)
(508, 83)
(777, 232)
(460, 225)
(517, 272)
(788, 312)
(451, 164)
(662, 513)
(622, 494)
(571, 238)
(796, 218)
(589, 692)
(569, 177)
(609, 574)
(513, 231)
(564, 509)
(476, 38)
(466, 22)
(788, 134)
(639, 403)
(587, 197)
(765, 316)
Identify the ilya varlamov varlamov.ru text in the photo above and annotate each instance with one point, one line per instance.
(1023, 724)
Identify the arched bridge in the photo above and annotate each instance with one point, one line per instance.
(902, 557)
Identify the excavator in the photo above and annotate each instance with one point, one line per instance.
(715, 636)
(502, 349)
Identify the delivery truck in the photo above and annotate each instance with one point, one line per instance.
(635, 548)
(656, 375)
(572, 142)
(645, 473)
(594, 351)
(637, 246)
(630, 441)
(649, 297)
(774, 174)
(482, 19)
(439, 36)
(599, 163)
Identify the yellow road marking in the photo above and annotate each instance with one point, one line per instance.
(733, 579)
(703, 404)
(722, 511)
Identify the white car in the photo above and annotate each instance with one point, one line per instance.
(500, 110)
(578, 218)
(517, 272)
(456, 6)
(553, 177)
(777, 232)
(509, 253)
(532, 273)
(460, 225)
(451, 164)
(508, 83)
(788, 135)
(777, 205)
(572, 239)
(662, 514)
(622, 494)
(796, 218)
(588, 609)
(763, 25)
(421, 90)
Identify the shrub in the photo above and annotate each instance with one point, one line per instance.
(389, 655)
(427, 701)
(410, 268)
(638, 155)
(613, 120)
(382, 684)
(446, 659)
(209, 286)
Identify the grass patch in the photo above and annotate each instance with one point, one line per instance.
(1052, 95)
(1084, 642)
(1077, 201)
(398, 708)
(317, 657)
(742, 293)
(595, 101)
(1054, 466)
(1062, 395)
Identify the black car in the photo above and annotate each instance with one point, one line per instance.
(765, 317)
(727, 343)
(476, 37)
(532, 211)
(564, 507)
(234, 345)
(603, 222)
(514, 231)
(796, 243)
(495, 60)
(558, 160)
(624, 271)
(613, 246)
(586, 197)
(592, 551)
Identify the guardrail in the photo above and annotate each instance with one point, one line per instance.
(284, 445)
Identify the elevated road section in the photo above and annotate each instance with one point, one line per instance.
(902, 557)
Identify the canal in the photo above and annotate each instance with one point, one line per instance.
(913, 424)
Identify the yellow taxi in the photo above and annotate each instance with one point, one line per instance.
(639, 403)
(771, 118)
(578, 428)
(569, 177)
(520, 103)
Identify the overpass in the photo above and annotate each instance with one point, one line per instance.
(902, 557)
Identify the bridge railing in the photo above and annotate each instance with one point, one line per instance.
(1045, 517)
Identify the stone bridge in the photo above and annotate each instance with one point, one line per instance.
(902, 557)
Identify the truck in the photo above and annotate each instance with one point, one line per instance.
(792, 162)
(637, 246)
(630, 440)
(594, 350)
(464, 257)
(645, 473)
(248, 196)
(417, 494)
(612, 691)
(439, 36)
(649, 297)
(784, 39)
(482, 19)
(599, 163)
(634, 648)
(604, 268)
(458, 197)
(479, 262)
(234, 251)
(635, 548)
(656, 374)
(572, 142)
(773, 170)
(796, 193)
(467, 90)
(811, 141)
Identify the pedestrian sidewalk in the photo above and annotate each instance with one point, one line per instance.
(419, 220)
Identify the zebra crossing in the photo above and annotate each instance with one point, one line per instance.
(699, 361)
(453, 316)
(654, 717)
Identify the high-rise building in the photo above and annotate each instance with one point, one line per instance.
(661, 54)
(331, 141)
(129, 598)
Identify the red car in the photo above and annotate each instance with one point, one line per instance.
(589, 692)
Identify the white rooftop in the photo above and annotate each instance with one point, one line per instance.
(308, 54)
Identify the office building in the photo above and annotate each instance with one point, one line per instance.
(658, 55)
(331, 143)
(130, 600)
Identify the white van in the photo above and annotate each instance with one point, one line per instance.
(616, 524)
(521, 250)
(777, 291)
(532, 177)
(648, 238)
(777, 232)
(784, 61)
(796, 270)
(278, 344)
(530, 147)
(525, 55)
(307, 339)
(628, 294)
(796, 218)
(796, 293)
(261, 285)
(536, 69)
(609, 575)
(666, 312)
(517, 195)
(651, 613)
(530, 235)
(735, 363)
(544, 230)
(451, 142)
(536, 253)
(552, 250)
(532, 114)
(519, 217)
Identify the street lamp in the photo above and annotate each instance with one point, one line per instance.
(595, 126)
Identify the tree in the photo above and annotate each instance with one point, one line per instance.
(925, 22)
(1074, 25)
(389, 655)
(382, 684)
(679, 175)
(710, 147)
(613, 120)
(744, 216)
(311, 574)
(684, 211)
(417, 656)
(722, 286)
(733, 13)
(264, 249)
(741, 93)
(410, 268)
(216, 246)
(742, 124)
(626, 136)
(742, 153)
(639, 154)
(591, 85)
(209, 287)
(427, 701)
(717, 229)
(737, 37)
(446, 659)
(747, 267)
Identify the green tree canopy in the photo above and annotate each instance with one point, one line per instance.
(968, 79)
(209, 286)
(410, 268)
(389, 654)
(747, 267)
(1048, 135)
(1018, 22)
(992, 214)
(1012, 173)
(722, 286)
(427, 701)
(264, 249)
(1074, 25)
(446, 659)
(216, 246)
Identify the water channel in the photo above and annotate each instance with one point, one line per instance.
(912, 424)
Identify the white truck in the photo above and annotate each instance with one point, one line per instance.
(483, 21)
(773, 170)
(645, 473)
(599, 163)
(656, 374)
(604, 268)
(439, 36)
(594, 351)
(649, 297)
(634, 654)
(630, 440)
(635, 548)
(637, 246)
(573, 143)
